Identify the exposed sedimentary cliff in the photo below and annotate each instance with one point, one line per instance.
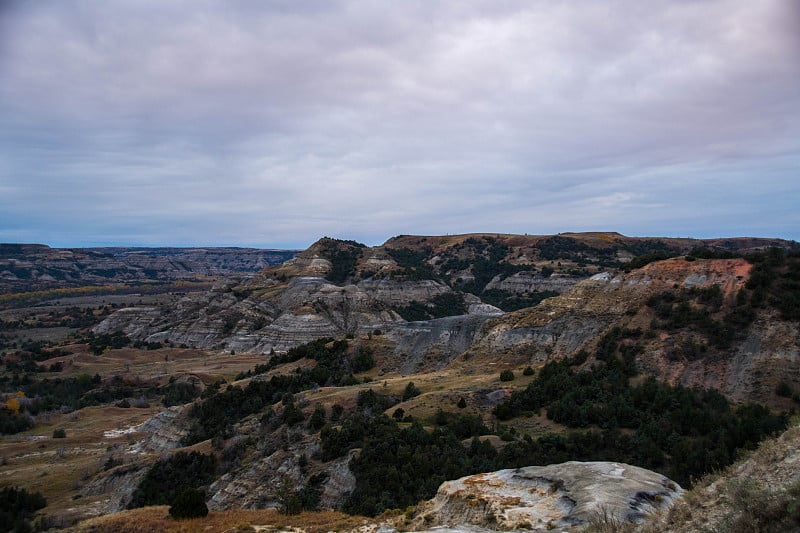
(558, 327)
(295, 303)
(304, 309)
(523, 282)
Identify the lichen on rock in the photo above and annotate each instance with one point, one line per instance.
(545, 497)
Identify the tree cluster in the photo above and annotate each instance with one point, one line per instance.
(107, 341)
(343, 255)
(441, 305)
(217, 413)
(413, 263)
(17, 507)
(512, 301)
(169, 477)
(679, 431)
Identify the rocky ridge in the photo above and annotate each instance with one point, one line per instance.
(561, 326)
(305, 309)
(295, 302)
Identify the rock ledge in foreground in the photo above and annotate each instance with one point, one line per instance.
(546, 497)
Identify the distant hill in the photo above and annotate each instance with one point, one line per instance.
(32, 267)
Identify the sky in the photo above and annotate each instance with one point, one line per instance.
(274, 123)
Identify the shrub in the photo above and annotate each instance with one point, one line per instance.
(191, 503)
(289, 501)
(179, 394)
(528, 371)
(411, 391)
(783, 389)
(317, 419)
(506, 375)
(59, 433)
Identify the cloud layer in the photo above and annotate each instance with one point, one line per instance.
(274, 123)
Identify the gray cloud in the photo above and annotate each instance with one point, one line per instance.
(273, 123)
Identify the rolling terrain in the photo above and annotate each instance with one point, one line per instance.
(31, 268)
(303, 385)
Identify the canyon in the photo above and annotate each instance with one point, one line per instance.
(448, 313)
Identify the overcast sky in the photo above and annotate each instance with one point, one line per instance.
(273, 123)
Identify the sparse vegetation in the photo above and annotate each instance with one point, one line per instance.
(757, 508)
(604, 521)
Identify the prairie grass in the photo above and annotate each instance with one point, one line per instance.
(603, 521)
(148, 519)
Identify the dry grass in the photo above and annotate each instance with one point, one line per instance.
(157, 364)
(57, 468)
(604, 521)
(150, 519)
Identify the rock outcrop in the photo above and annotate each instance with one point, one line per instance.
(523, 282)
(431, 344)
(560, 496)
(119, 482)
(258, 484)
(303, 309)
(164, 431)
